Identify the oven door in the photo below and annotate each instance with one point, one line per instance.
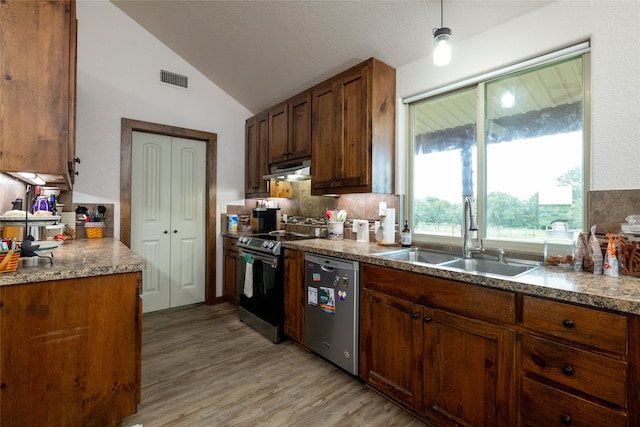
(267, 284)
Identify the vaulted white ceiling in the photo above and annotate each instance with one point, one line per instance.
(262, 52)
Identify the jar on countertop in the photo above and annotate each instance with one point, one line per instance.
(559, 246)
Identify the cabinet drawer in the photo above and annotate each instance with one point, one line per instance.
(230, 243)
(596, 375)
(462, 298)
(544, 406)
(588, 326)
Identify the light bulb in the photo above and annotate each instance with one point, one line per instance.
(442, 49)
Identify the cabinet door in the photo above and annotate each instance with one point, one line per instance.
(354, 129)
(390, 346)
(324, 144)
(294, 295)
(256, 148)
(468, 370)
(279, 133)
(230, 270)
(341, 137)
(34, 89)
(300, 126)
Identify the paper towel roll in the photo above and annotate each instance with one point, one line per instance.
(390, 226)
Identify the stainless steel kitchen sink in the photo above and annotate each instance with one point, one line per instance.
(506, 268)
(490, 266)
(419, 255)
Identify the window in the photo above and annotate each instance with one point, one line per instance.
(514, 143)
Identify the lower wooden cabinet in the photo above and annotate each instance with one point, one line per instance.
(577, 366)
(450, 369)
(294, 298)
(70, 351)
(231, 270)
(391, 346)
(546, 406)
(469, 370)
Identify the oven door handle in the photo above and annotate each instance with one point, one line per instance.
(271, 261)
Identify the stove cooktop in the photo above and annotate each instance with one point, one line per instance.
(271, 242)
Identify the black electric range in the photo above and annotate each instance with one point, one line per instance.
(262, 281)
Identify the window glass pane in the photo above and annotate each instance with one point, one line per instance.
(444, 161)
(533, 139)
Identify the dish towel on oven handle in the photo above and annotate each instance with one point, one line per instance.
(248, 276)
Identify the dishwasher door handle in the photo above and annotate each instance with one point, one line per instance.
(327, 269)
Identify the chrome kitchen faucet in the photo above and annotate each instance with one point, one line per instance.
(469, 224)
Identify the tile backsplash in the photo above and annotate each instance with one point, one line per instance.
(608, 208)
(302, 203)
(605, 208)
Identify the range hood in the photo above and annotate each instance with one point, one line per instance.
(296, 171)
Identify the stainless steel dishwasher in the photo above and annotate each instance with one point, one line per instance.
(331, 310)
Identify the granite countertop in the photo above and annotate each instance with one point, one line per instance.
(614, 293)
(75, 259)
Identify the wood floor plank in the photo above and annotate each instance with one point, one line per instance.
(201, 366)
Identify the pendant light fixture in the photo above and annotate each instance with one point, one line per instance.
(441, 46)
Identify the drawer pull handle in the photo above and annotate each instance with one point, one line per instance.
(427, 320)
(567, 370)
(568, 323)
(565, 419)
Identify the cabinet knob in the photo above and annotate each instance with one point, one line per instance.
(175, 231)
(565, 419)
(415, 315)
(568, 323)
(567, 370)
(166, 231)
(427, 320)
(77, 159)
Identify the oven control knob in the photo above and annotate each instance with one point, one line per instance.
(265, 244)
(271, 245)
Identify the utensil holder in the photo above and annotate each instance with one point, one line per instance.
(336, 230)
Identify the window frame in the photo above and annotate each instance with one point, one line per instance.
(479, 82)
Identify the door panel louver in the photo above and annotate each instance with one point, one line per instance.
(174, 79)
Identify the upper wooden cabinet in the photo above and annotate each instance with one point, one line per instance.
(37, 89)
(290, 130)
(353, 131)
(256, 147)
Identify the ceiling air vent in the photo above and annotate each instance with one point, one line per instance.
(174, 79)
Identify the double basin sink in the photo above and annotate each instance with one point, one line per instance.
(505, 268)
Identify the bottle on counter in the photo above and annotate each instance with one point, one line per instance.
(405, 234)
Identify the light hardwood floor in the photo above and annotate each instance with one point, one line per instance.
(201, 366)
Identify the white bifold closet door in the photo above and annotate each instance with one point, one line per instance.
(168, 218)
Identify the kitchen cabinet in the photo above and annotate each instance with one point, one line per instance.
(256, 156)
(574, 365)
(37, 124)
(294, 298)
(391, 346)
(70, 351)
(353, 131)
(231, 270)
(290, 130)
(468, 370)
(444, 349)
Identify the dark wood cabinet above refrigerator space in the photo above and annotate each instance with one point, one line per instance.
(344, 125)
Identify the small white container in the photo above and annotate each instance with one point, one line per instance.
(336, 230)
